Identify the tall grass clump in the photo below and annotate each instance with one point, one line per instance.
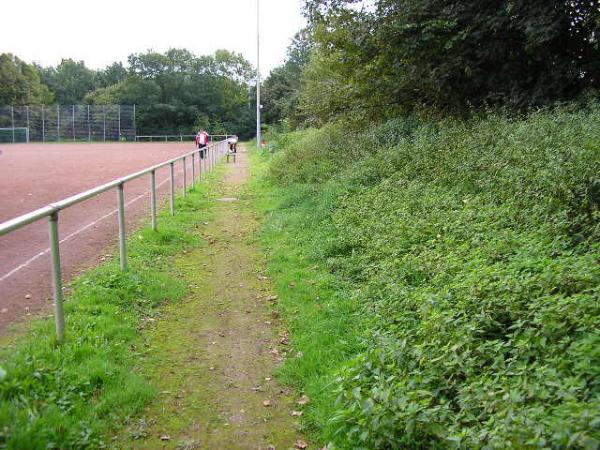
(472, 249)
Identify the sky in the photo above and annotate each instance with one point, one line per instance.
(105, 31)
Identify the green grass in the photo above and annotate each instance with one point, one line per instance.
(447, 279)
(74, 395)
(317, 308)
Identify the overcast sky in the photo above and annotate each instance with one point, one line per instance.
(105, 31)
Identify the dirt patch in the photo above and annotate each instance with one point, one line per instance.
(213, 356)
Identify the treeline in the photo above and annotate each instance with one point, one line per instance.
(175, 91)
(384, 58)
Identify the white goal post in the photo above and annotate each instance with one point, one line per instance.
(14, 134)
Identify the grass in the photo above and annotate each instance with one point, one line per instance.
(318, 309)
(76, 394)
(446, 284)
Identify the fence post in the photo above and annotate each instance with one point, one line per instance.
(119, 137)
(27, 110)
(43, 126)
(153, 198)
(134, 128)
(122, 231)
(89, 125)
(104, 123)
(73, 122)
(193, 170)
(59, 313)
(172, 204)
(184, 178)
(12, 117)
(57, 123)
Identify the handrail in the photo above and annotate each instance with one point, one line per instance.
(208, 157)
(166, 137)
(33, 216)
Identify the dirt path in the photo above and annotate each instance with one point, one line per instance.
(213, 356)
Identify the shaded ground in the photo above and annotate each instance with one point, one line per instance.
(213, 356)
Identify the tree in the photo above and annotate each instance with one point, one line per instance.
(282, 86)
(20, 83)
(70, 81)
(113, 74)
(450, 55)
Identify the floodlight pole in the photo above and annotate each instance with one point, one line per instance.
(258, 74)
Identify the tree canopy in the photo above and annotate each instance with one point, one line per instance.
(175, 91)
(387, 57)
(20, 83)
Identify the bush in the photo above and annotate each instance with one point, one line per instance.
(473, 248)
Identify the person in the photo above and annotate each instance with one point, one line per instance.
(202, 142)
(232, 141)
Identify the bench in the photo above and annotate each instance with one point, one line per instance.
(233, 155)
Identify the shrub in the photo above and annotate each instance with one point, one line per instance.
(473, 249)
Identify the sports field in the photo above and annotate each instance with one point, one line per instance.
(34, 175)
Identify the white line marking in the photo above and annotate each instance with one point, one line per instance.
(75, 233)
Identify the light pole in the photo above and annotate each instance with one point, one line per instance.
(257, 73)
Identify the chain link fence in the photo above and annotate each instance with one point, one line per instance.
(61, 123)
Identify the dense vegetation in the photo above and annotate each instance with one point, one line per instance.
(461, 301)
(379, 59)
(174, 92)
(436, 240)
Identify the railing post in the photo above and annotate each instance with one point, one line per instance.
(122, 231)
(200, 167)
(193, 170)
(59, 313)
(153, 198)
(172, 205)
(184, 178)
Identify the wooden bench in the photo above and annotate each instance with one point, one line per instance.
(233, 155)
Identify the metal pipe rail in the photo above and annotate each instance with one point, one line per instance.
(175, 137)
(212, 155)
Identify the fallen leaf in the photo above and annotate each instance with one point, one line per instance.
(165, 437)
(272, 298)
(300, 444)
(266, 403)
(305, 399)
(296, 413)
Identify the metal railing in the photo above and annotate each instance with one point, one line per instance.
(212, 155)
(175, 137)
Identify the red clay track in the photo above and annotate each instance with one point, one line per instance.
(34, 175)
